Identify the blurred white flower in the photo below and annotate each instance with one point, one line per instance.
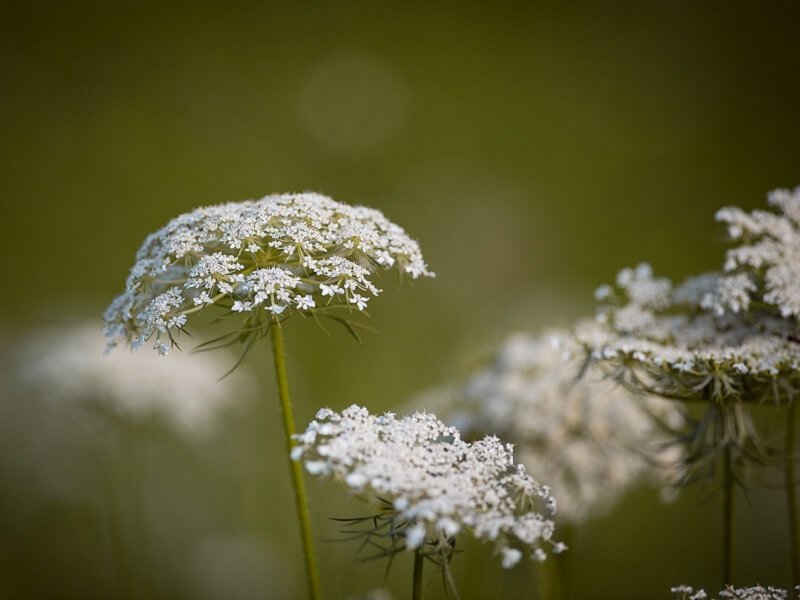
(432, 484)
(588, 439)
(68, 365)
(264, 259)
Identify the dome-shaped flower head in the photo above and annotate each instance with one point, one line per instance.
(265, 259)
(433, 484)
(765, 263)
(67, 365)
(588, 438)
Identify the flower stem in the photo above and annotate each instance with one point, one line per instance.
(416, 589)
(300, 498)
(791, 495)
(727, 516)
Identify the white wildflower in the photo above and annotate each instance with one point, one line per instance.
(590, 440)
(68, 365)
(431, 480)
(769, 251)
(263, 258)
(705, 351)
(680, 351)
(305, 302)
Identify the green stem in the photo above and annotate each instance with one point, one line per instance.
(300, 498)
(416, 589)
(791, 495)
(727, 516)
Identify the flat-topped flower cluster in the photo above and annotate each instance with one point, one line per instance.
(437, 484)
(265, 258)
(588, 439)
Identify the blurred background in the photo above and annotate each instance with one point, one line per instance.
(532, 148)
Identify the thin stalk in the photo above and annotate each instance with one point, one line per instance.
(727, 516)
(416, 587)
(300, 498)
(791, 495)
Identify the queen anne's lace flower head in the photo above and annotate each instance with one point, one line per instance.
(675, 343)
(589, 439)
(434, 484)
(265, 259)
(765, 265)
(67, 365)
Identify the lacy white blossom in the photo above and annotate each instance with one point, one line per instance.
(676, 344)
(68, 364)
(433, 483)
(673, 346)
(686, 592)
(766, 263)
(589, 439)
(266, 258)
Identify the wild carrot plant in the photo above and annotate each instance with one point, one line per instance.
(258, 263)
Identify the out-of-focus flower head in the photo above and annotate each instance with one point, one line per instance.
(431, 484)
(265, 259)
(68, 365)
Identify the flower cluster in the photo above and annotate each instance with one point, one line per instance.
(765, 266)
(433, 484)
(266, 259)
(687, 592)
(67, 364)
(672, 342)
(588, 439)
(728, 339)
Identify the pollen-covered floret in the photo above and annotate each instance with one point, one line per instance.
(589, 439)
(266, 258)
(436, 484)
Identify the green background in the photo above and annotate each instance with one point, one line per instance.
(533, 150)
